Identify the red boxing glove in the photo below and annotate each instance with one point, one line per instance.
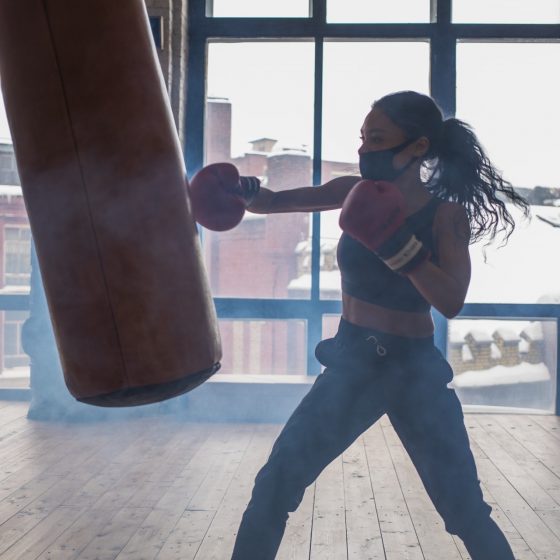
(215, 196)
(374, 214)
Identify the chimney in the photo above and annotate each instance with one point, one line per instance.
(217, 138)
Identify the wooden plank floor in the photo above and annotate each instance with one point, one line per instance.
(162, 488)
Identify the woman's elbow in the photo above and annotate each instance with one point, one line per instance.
(450, 310)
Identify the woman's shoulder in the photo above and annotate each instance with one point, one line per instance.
(451, 217)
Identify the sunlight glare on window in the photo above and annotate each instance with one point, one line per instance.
(355, 75)
(257, 8)
(516, 117)
(5, 137)
(506, 11)
(259, 116)
(380, 11)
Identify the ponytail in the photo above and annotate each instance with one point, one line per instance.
(459, 169)
(464, 174)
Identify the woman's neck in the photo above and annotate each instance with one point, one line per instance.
(414, 191)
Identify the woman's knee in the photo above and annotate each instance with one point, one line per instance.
(281, 482)
(461, 519)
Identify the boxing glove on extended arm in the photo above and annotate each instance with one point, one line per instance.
(374, 214)
(219, 196)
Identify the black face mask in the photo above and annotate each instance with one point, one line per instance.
(378, 165)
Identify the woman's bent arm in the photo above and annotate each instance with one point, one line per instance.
(445, 285)
(329, 196)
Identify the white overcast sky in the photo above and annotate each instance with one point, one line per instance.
(508, 92)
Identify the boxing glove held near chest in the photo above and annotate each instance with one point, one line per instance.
(374, 214)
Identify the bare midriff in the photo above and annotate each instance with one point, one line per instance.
(402, 323)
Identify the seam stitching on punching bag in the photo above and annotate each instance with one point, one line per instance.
(84, 188)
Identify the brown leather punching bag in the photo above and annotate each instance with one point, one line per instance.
(103, 180)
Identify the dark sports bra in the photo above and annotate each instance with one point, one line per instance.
(365, 276)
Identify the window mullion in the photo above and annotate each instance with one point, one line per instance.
(195, 105)
(443, 64)
(314, 327)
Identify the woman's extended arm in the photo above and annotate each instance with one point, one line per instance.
(329, 196)
(445, 285)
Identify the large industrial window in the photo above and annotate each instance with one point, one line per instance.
(280, 89)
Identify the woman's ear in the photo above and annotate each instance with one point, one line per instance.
(421, 146)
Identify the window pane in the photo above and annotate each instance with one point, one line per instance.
(506, 11)
(260, 118)
(393, 67)
(504, 363)
(521, 139)
(264, 347)
(15, 362)
(15, 236)
(258, 8)
(366, 11)
(5, 137)
(17, 256)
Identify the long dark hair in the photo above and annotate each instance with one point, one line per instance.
(459, 169)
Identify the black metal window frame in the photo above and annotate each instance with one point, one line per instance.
(443, 36)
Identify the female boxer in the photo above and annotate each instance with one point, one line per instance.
(427, 191)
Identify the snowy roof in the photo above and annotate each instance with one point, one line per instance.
(523, 346)
(10, 190)
(13, 290)
(550, 298)
(479, 336)
(502, 375)
(456, 337)
(289, 152)
(251, 217)
(255, 153)
(505, 334)
(533, 331)
(330, 281)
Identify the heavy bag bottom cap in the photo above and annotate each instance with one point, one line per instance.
(149, 394)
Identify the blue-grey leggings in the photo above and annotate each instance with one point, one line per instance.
(368, 374)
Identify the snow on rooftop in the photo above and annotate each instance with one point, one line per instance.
(455, 337)
(256, 153)
(480, 335)
(550, 298)
(14, 290)
(534, 331)
(502, 375)
(251, 217)
(523, 346)
(507, 335)
(330, 282)
(10, 190)
(289, 152)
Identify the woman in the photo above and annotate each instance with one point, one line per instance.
(429, 191)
